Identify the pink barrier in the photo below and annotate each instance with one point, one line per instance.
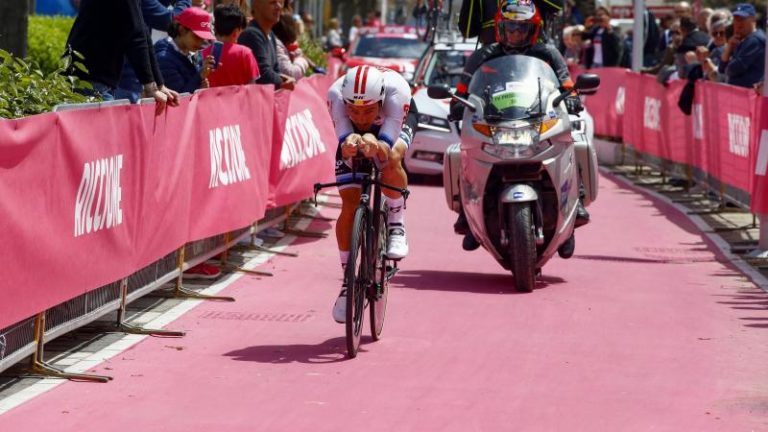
(91, 196)
(607, 106)
(304, 142)
(717, 137)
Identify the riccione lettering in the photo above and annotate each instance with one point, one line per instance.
(228, 165)
(99, 196)
(301, 140)
(738, 135)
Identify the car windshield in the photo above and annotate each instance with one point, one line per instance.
(446, 67)
(509, 86)
(389, 47)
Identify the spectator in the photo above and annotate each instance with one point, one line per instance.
(259, 38)
(683, 9)
(242, 4)
(105, 32)
(703, 19)
(237, 65)
(744, 55)
(289, 56)
(176, 53)
(665, 37)
(374, 19)
(709, 57)
(309, 24)
(572, 39)
(720, 15)
(158, 16)
(332, 36)
(605, 47)
(666, 67)
(354, 29)
(693, 38)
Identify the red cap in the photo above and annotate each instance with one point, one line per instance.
(197, 20)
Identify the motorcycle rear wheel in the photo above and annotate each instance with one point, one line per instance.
(522, 246)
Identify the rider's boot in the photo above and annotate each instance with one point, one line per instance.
(470, 243)
(461, 226)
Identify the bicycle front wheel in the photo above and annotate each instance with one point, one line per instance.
(380, 280)
(356, 278)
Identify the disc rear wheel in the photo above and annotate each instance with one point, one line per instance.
(380, 288)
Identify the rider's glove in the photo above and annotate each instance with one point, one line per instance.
(573, 104)
(456, 111)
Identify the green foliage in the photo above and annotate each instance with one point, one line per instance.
(47, 38)
(26, 90)
(313, 51)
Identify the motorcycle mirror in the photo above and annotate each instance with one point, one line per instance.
(439, 91)
(587, 83)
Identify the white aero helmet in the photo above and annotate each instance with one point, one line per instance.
(363, 85)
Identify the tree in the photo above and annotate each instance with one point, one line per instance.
(13, 26)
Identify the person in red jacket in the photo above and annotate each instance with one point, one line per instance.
(237, 65)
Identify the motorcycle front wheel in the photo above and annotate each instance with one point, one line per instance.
(522, 246)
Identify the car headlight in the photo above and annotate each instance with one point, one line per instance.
(434, 123)
(515, 143)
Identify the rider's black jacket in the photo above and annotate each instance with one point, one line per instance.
(541, 51)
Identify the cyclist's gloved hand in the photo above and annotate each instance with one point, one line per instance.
(573, 104)
(349, 146)
(456, 111)
(370, 145)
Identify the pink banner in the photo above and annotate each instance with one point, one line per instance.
(91, 196)
(759, 159)
(305, 147)
(728, 112)
(607, 105)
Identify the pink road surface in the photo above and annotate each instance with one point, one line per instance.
(646, 328)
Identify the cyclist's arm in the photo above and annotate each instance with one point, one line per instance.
(397, 103)
(341, 123)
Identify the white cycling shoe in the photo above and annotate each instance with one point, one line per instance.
(397, 246)
(340, 307)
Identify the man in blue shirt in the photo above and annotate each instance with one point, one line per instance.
(743, 60)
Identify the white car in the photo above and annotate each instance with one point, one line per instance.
(443, 62)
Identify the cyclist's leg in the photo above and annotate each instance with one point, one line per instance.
(394, 174)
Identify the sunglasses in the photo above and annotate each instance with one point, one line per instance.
(675, 32)
(718, 33)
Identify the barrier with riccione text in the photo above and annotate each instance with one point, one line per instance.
(722, 137)
(91, 196)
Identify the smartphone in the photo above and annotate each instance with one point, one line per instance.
(216, 52)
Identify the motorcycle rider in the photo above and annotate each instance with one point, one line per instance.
(373, 112)
(518, 26)
(477, 17)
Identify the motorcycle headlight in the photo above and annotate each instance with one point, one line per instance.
(434, 123)
(515, 143)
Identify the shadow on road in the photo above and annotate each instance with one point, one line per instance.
(479, 283)
(331, 351)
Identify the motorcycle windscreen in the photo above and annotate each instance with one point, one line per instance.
(513, 87)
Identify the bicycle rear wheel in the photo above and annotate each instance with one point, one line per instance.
(380, 287)
(357, 281)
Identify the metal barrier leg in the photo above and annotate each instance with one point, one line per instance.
(762, 246)
(38, 366)
(229, 266)
(132, 329)
(300, 233)
(180, 292)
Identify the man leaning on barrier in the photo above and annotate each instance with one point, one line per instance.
(105, 32)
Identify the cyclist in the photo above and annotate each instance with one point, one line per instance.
(372, 112)
(518, 26)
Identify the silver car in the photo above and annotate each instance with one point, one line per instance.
(443, 62)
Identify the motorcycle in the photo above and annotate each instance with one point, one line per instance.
(521, 163)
